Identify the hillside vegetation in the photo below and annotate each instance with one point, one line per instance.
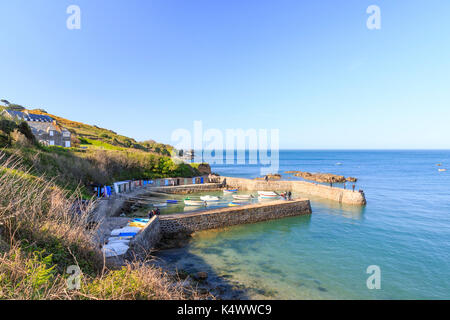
(44, 224)
(43, 232)
(97, 156)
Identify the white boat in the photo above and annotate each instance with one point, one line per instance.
(237, 204)
(230, 191)
(158, 205)
(242, 196)
(209, 198)
(442, 170)
(268, 195)
(197, 203)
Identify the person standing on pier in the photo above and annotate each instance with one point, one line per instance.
(266, 178)
(289, 195)
(353, 186)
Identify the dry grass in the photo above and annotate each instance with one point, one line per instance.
(43, 230)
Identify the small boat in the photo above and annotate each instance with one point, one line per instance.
(141, 220)
(230, 191)
(172, 201)
(197, 203)
(158, 205)
(339, 163)
(137, 224)
(442, 170)
(242, 196)
(209, 198)
(237, 204)
(268, 195)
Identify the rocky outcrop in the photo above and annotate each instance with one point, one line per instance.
(204, 168)
(319, 177)
(322, 177)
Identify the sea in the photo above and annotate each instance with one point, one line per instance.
(395, 247)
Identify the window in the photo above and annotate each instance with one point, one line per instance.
(51, 133)
(52, 142)
(67, 144)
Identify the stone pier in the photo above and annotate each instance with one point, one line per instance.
(305, 188)
(187, 223)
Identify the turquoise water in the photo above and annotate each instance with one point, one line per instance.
(404, 229)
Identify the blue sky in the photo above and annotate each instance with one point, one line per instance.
(309, 68)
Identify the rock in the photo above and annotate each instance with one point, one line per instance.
(204, 168)
(322, 177)
(201, 276)
(182, 274)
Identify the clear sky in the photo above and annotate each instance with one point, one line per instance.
(309, 68)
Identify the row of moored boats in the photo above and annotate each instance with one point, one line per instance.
(238, 199)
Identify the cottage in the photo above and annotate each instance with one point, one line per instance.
(46, 130)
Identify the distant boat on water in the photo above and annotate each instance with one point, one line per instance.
(442, 170)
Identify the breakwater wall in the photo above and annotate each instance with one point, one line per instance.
(175, 224)
(307, 188)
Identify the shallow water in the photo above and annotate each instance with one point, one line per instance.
(404, 229)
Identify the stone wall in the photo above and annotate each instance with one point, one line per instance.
(186, 189)
(147, 239)
(307, 188)
(212, 219)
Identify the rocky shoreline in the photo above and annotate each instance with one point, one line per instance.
(322, 177)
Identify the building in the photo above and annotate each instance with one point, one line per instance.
(44, 128)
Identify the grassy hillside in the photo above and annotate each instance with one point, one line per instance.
(44, 227)
(42, 234)
(97, 156)
(92, 135)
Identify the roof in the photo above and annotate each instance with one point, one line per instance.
(42, 127)
(28, 116)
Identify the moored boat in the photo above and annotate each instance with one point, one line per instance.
(230, 191)
(197, 203)
(268, 195)
(242, 196)
(237, 204)
(158, 205)
(209, 198)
